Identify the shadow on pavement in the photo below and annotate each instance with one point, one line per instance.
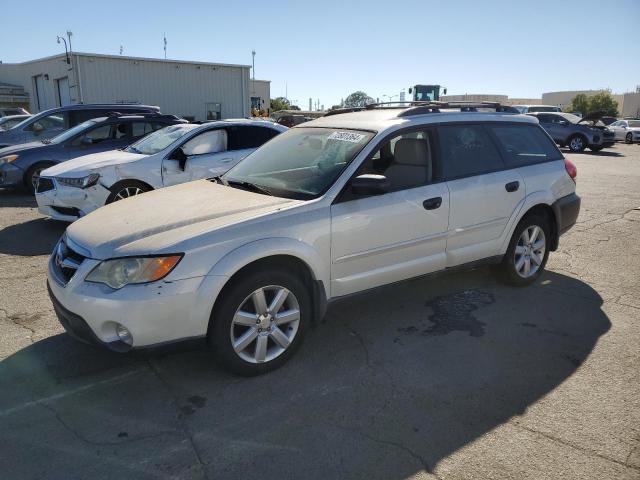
(35, 237)
(601, 153)
(10, 197)
(389, 384)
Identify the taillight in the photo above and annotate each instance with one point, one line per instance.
(571, 169)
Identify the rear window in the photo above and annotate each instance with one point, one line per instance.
(525, 144)
(467, 150)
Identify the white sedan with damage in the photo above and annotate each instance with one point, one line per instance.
(172, 155)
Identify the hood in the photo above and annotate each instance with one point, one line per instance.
(81, 165)
(158, 220)
(23, 147)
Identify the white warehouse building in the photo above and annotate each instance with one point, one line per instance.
(194, 90)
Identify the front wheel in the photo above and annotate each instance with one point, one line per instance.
(33, 174)
(628, 138)
(528, 252)
(259, 322)
(577, 144)
(126, 189)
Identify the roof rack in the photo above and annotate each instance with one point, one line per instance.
(421, 108)
(143, 114)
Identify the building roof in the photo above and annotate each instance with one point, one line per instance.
(125, 57)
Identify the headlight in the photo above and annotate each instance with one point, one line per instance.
(8, 158)
(130, 270)
(82, 182)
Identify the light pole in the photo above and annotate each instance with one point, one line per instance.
(66, 50)
(69, 35)
(390, 97)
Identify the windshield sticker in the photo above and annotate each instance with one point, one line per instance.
(347, 137)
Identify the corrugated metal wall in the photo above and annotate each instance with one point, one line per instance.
(178, 88)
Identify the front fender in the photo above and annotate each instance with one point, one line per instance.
(242, 256)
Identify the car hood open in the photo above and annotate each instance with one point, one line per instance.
(93, 161)
(160, 219)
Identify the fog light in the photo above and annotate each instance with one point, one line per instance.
(124, 335)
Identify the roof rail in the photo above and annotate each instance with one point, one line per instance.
(423, 107)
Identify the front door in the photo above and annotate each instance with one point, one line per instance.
(380, 239)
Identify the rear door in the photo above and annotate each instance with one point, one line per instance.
(484, 194)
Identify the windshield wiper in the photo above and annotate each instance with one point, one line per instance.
(249, 186)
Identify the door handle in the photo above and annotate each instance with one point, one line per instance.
(512, 186)
(432, 203)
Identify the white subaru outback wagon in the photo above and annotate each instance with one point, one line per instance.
(335, 206)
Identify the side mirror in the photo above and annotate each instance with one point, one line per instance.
(444, 92)
(86, 141)
(370, 184)
(179, 155)
(410, 90)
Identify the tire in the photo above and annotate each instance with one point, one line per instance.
(628, 138)
(595, 149)
(577, 143)
(126, 189)
(33, 172)
(227, 328)
(508, 270)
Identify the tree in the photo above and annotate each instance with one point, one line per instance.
(580, 103)
(357, 99)
(600, 102)
(604, 102)
(279, 103)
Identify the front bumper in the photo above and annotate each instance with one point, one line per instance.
(70, 203)
(566, 210)
(10, 175)
(155, 313)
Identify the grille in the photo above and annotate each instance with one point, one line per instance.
(66, 261)
(44, 185)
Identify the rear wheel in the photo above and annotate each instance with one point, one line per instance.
(33, 174)
(126, 189)
(528, 252)
(628, 138)
(577, 143)
(259, 322)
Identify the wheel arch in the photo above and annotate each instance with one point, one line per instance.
(27, 170)
(548, 211)
(287, 254)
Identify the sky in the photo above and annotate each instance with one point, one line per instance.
(328, 49)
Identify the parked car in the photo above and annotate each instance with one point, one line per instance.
(537, 108)
(575, 132)
(54, 121)
(21, 165)
(608, 120)
(11, 121)
(626, 130)
(292, 120)
(10, 111)
(336, 206)
(172, 155)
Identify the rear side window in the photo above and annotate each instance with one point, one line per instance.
(525, 144)
(467, 150)
(241, 137)
(141, 128)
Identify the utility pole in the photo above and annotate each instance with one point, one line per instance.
(253, 71)
(69, 35)
(165, 45)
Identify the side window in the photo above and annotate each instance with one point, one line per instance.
(80, 116)
(55, 121)
(525, 144)
(141, 128)
(467, 150)
(212, 141)
(241, 136)
(407, 160)
(545, 118)
(96, 135)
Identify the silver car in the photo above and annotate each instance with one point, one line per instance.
(627, 130)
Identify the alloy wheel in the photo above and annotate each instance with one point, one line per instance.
(265, 324)
(629, 138)
(529, 252)
(127, 192)
(576, 144)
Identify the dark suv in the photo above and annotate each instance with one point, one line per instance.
(54, 121)
(22, 164)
